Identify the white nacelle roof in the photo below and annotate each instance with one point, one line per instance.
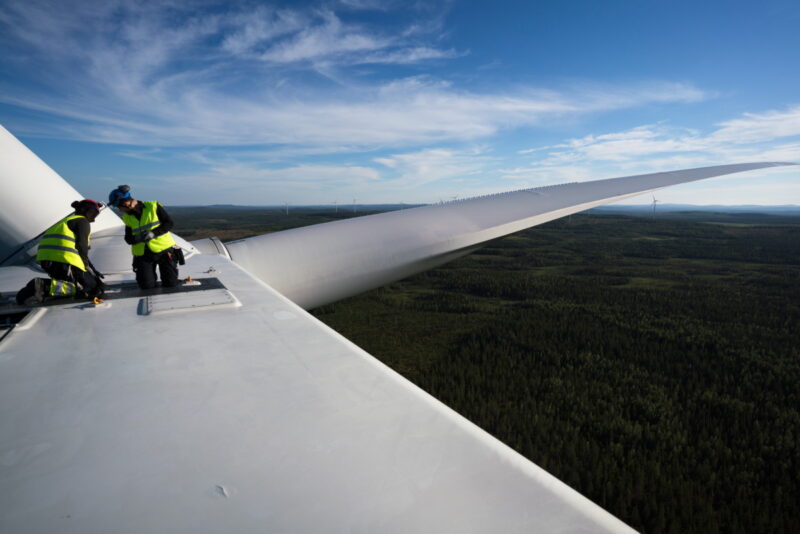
(232, 409)
(244, 417)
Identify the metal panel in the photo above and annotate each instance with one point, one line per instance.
(185, 302)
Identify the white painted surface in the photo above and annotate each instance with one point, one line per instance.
(250, 419)
(316, 265)
(33, 196)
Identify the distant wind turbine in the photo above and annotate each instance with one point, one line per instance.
(654, 206)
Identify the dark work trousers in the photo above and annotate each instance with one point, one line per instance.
(145, 268)
(63, 271)
(85, 282)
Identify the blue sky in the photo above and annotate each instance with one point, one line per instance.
(387, 101)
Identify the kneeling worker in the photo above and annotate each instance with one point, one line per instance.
(147, 226)
(63, 253)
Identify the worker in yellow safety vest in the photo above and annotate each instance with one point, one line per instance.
(63, 253)
(147, 226)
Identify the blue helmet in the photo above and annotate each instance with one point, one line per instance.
(118, 195)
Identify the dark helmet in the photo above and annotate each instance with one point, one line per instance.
(118, 195)
(88, 208)
(82, 207)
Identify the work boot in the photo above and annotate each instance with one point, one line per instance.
(27, 295)
(41, 289)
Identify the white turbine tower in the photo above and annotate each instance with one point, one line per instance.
(654, 206)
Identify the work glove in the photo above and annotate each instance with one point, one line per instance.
(144, 238)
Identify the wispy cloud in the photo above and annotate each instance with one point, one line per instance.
(152, 154)
(628, 145)
(410, 55)
(379, 5)
(252, 184)
(534, 176)
(326, 40)
(253, 30)
(394, 114)
(256, 97)
(129, 73)
(736, 139)
(759, 127)
(334, 176)
(414, 169)
(658, 147)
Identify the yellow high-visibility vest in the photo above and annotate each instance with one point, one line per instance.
(147, 223)
(58, 244)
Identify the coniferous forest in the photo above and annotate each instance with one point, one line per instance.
(651, 363)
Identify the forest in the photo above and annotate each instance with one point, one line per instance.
(651, 363)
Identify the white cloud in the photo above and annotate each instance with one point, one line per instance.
(264, 24)
(759, 127)
(778, 186)
(333, 176)
(659, 147)
(735, 140)
(789, 152)
(329, 39)
(128, 73)
(523, 177)
(384, 115)
(631, 144)
(415, 169)
(310, 82)
(249, 184)
(370, 4)
(410, 55)
(152, 154)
